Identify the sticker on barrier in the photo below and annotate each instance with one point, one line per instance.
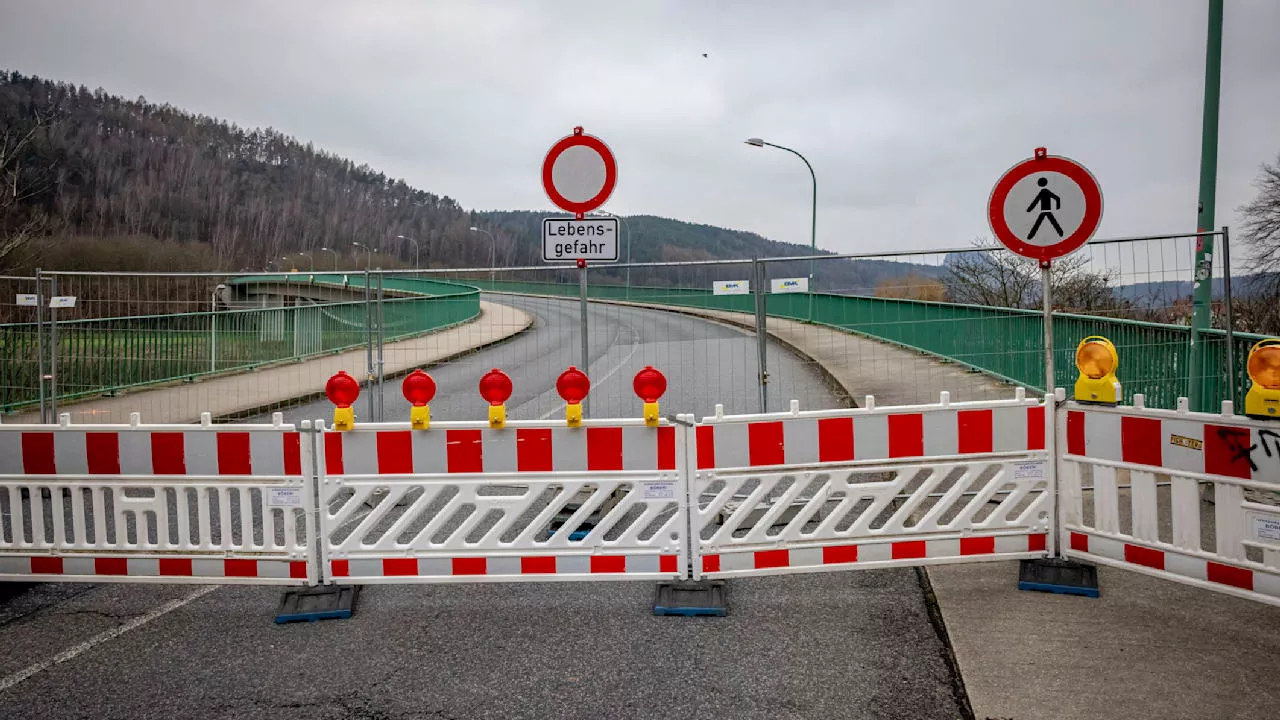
(1190, 497)
(835, 490)
(532, 501)
(138, 503)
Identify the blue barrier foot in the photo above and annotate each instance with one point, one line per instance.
(690, 599)
(323, 602)
(1064, 577)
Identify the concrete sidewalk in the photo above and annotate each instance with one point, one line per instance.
(262, 389)
(1148, 648)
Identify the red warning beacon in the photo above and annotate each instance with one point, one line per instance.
(342, 390)
(495, 388)
(418, 388)
(650, 385)
(573, 385)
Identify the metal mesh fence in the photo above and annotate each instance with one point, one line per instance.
(900, 327)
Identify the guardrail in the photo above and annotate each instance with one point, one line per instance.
(106, 355)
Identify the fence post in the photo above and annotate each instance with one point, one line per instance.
(1230, 320)
(762, 331)
(53, 350)
(44, 413)
(368, 343)
(382, 338)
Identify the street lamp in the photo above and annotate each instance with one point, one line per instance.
(493, 252)
(415, 249)
(335, 257)
(813, 222)
(368, 253)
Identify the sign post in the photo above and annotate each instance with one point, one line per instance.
(579, 174)
(1043, 208)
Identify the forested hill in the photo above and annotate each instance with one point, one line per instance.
(95, 181)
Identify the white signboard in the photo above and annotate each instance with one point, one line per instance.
(1022, 471)
(1266, 528)
(26, 299)
(570, 240)
(660, 490)
(284, 497)
(62, 301)
(730, 287)
(789, 285)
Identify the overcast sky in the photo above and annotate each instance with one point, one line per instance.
(909, 111)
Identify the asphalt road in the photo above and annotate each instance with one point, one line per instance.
(705, 363)
(849, 645)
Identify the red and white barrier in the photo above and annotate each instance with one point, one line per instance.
(152, 503)
(1121, 465)
(532, 501)
(875, 487)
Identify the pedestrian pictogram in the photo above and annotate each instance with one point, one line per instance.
(1045, 207)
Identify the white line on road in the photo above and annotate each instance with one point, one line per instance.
(635, 345)
(115, 632)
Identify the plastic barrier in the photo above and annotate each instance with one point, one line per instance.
(832, 490)
(533, 501)
(155, 503)
(1122, 465)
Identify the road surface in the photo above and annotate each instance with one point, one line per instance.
(854, 644)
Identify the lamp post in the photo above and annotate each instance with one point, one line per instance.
(368, 254)
(493, 252)
(813, 217)
(415, 249)
(335, 257)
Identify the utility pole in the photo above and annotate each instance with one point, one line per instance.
(1203, 287)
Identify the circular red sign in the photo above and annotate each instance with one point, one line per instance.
(579, 139)
(1090, 216)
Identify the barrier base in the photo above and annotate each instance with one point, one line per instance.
(1064, 577)
(689, 599)
(323, 602)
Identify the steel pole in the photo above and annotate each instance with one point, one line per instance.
(1231, 324)
(1046, 292)
(762, 330)
(582, 303)
(53, 351)
(44, 413)
(813, 220)
(368, 342)
(382, 339)
(1203, 291)
(213, 332)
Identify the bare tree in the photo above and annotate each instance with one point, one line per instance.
(991, 275)
(19, 183)
(1262, 228)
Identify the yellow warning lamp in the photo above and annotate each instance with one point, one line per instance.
(1097, 360)
(650, 385)
(573, 386)
(495, 388)
(1263, 398)
(418, 388)
(342, 390)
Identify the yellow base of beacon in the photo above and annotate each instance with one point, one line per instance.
(344, 418)
(651, 416)
(419, 417)
(497, 416)
(573, 415)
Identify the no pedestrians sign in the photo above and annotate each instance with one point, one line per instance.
(1045, 207)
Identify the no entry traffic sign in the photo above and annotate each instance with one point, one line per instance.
(1045, 207)
(579, 173)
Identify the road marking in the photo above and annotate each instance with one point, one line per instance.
(635, 345)
(115, 632)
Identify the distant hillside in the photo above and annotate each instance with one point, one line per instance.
(162, 189)
(657, 239)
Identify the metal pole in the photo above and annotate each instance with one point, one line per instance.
(1203, 292)
(44, 416)
(368, 343)
(53, 352)
(1046, 292)
(381, 341)
(213, 332)
(1231, 323)
(628, 232)
(582, 304)
(762, 336)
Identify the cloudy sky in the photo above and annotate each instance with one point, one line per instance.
(909, 111)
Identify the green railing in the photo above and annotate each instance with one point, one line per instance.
(1002, 342)
(107, 355)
